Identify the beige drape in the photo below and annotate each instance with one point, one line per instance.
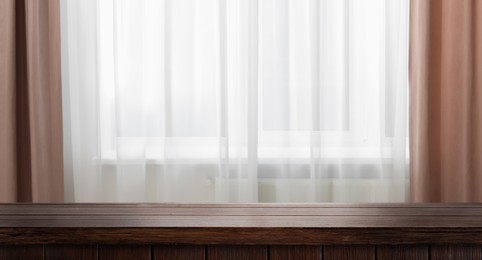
(31, 168)
(446, 100)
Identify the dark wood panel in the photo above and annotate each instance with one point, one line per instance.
(71, 252)
(224, 252)
(160, 252)
(455, 252)
(402, 252)
(349, 252)
(124, 252)
(240, 236)
(32, 252)
(274, 224)
(178, 252)
(295, 252)
(251, 215)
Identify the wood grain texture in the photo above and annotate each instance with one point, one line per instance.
(349, 252)
(223, 252)
(71, 252)
(273, 224)
(124, 252)
(240, 236)
(402, 252)
(250, 215)
(455, 252)
(178, 252)
(28, 252)
(295, 252)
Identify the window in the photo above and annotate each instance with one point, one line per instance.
(236, 100)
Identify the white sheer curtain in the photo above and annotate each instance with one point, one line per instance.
(235, 100)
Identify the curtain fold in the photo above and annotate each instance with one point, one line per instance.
(446, 100)
(31, 168)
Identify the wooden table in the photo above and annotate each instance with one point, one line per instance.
(240, 231)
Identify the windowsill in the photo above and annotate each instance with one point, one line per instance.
(268, 168)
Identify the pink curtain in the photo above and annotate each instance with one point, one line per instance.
(446, 100)
(31, 168)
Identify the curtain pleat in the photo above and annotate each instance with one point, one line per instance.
(446, 100)
(31, 155)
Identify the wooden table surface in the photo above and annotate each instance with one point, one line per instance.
(275, 224)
